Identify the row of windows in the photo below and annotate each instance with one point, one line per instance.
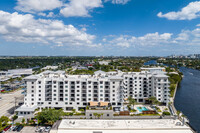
(73, 82)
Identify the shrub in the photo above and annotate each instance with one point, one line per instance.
(166, 113)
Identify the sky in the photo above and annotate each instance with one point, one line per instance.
(99, 27)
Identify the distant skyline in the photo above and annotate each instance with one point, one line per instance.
(99, 27)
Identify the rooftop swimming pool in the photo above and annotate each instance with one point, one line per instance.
(142, 109)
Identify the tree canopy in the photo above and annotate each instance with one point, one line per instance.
(49, 116)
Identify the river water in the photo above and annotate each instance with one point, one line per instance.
(187, 98)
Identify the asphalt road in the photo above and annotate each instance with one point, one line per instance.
(7, 103)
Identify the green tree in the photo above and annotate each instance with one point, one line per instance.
(131, 101)
(49, 116)
(14, 118)
(153, 100)
(95, 115)
(23, 121)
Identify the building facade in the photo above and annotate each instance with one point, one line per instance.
(59, 90)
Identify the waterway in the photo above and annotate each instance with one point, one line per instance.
(187, 98)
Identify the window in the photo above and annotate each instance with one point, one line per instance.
(66, 94)
(113, 90)
(39, 95)
(66, 98)
(54, 94)
(113, 82)
(66, 90)
(39, 86)
(66, 86)
(54, 90)
(101, 90)
(32, 86)
(54, 86)
(108, 115)
(78, 90)
(32, 99)
(113, 86)
(66, 102)
(56, 102)
(32, 91)
(32, 82)
(39, 90)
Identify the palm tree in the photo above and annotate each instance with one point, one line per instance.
(95, 115)
(131, 101)
(153, 100)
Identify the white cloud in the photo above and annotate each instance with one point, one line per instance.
(80, 8)
(148, 39)
(189, 37)
(49, 15)
(25, 28)
(32, 6)
(123, 2)
(189, 12)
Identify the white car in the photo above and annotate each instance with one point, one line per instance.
(11, 128)
(42, 129)
(37, 130)
(47, 129)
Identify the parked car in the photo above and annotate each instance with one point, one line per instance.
(15, 129)
(2, 90)
(37, 129)
(5, 129)
(47, 129)
(19, 128)
(11, 128)
(42, 129)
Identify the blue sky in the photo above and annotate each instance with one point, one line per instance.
(99, 27)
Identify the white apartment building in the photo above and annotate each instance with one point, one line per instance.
(58, 90)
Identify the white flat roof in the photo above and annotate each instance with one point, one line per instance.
(122, 126)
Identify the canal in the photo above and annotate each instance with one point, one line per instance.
(187, 98)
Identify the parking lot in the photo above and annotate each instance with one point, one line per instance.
(7, 102)
(27, 129)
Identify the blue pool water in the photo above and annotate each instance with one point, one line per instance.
(142, 109)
